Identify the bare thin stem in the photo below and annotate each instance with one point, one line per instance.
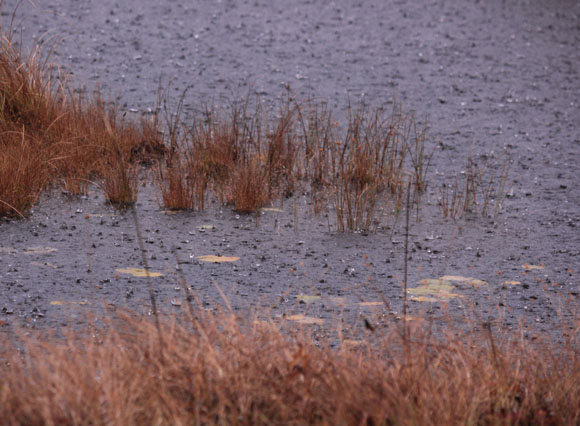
(149, 282)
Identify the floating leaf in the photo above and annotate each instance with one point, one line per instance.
(138, 272)
(511, 283)
(412, 318)
(352, 343)
(528, 267)
(170, 212)
(302, 319)
(39, 250)
(464, 280)
(340, 301)
(307, 298)
(432, 290)
(426, 299)
(272, 209)
(50, 265)
(370, 303)
(261, 323)
(207, 227)
(217, 259)
(60, 302)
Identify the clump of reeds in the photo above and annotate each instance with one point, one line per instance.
(220, 370)
(479, 189)
(244, 156)
(250, 158)
(368, 166)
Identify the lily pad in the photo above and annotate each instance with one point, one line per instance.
(427, 299)
(351, 343)
(50, 265)
(511, 283)
(138, 272)
(412, 318)
(528, 267)
(370, 303)
(39, 250)
(272, 209)
(217, 259)
(432, 290)
(337, 300)
(306, 298)
(60, 302)
(207, 227)
(302, 319)
(464, 280)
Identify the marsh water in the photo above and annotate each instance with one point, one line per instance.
(496, 81)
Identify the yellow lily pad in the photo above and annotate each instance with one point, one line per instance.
(50, 265)
(432, 286)
(307, 298)
(272, 209)
(338, 300)
(432, 290)
(464, 280)
(528, 267)
(207, 227)
(412, 318)
(302, 319)
(260, 323)
(60, 302)
(370, 303)
(426, 299)
(39, 250)
(511, 283)
(351, 343)
(138, 272)
(217, 259)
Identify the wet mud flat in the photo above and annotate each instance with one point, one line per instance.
(497, 81)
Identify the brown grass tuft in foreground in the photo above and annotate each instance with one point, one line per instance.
(218, 370)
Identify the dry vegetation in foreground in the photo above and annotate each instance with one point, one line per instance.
(218, 370)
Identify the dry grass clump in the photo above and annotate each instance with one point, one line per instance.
(364, 170)
(249, 159)
(48, 136)
(479, 189)
(219, 370)
(21, 180)
(244, 157)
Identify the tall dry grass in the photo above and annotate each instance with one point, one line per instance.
(478, 189)
(250, 158)
(220, 370)
(50, 137)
